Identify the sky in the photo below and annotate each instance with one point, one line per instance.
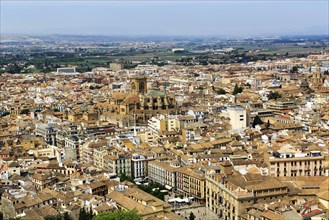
(165, 18)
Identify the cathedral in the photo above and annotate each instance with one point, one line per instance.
(317, 77)
(318, 81)
(141, 101)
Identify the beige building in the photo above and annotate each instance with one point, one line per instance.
(74, 116)
(192, 131)
(44, 152)
(99, 157)
(283, 163)
(88, 149)
(42, 180)
(231, 197)
(161, 123)
(116, 66)
(146, 136)
(90, 117)
(118, 162)
(279, 105)
(148, 206)
(190, 183)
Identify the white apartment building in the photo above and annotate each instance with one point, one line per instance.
(72, 147)
(162, 173)
(47, 131)
(239, 118)
(139, 164)
(162, 123)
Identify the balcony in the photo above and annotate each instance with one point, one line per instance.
(270, 194)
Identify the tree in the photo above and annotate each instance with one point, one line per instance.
(3, 114)
(124, 177)
(90, 214)
(248, 85)
(53, 217)
(257, 121)
(267, 124)
(14, 69)
(192, 216)
(220, 91)
(84, 215)
(237, 89)
(67, 216)
(118, 215)
(294, 69)
(273, 95)
(25, 111)
(154, 189)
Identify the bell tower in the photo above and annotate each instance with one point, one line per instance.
(138, 85)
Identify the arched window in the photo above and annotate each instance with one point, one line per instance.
(133, 86)
(141, 87)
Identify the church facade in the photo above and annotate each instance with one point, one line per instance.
(141, 101)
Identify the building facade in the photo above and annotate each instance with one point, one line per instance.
(162, 173)
(139, 164)
(294, 164)
(231, 197)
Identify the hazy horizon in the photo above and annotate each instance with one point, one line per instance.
(165, 18)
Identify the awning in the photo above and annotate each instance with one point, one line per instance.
(168, 187)
(178, 200)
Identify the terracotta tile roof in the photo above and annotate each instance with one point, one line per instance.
(119, 95)
(104, 207)
(272, 216)
(131, 99)
(129, 203)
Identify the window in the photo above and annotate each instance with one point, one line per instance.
(133, 86)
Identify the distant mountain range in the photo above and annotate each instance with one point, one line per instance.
(105, 38)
